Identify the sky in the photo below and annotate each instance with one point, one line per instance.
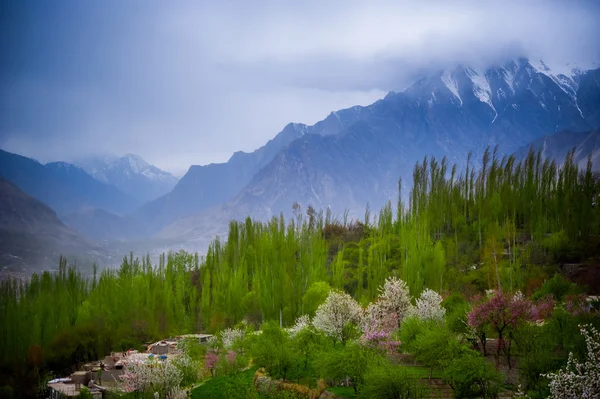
(182, 82)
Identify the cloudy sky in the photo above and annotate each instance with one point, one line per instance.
(181, 82)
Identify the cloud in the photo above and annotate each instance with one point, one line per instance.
(192, 82)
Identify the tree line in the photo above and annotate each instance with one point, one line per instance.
(506, 225)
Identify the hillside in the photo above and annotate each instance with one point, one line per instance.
(62, 186)
(32, 238)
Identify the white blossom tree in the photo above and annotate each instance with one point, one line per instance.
(162, 377)
(429, 306)
(336, 314)
(302, 323)
(395, 297)
(230, 336)
(579, 379)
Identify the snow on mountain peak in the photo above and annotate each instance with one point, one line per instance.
(451, 84)
(481, 87)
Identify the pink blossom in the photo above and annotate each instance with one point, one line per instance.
(230, 357)
(210, 362)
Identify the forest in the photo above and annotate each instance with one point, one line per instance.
(507, 251)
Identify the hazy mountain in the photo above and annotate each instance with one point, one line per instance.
(203, 187)
(32, 238)
(62, 186)
(448, 113)
(557, 145)
(130, 174)
(99, 224)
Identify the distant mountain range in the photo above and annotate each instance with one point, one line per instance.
(130, 174)
(32, 237)
(352, 158)
(447, 114)
(63, 186)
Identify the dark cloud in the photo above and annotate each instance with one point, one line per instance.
(192, 82)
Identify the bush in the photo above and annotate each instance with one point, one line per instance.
(410, 329)
(558, 286)
(391, 382)
(471, 376)
(349, 362)
(272, 349)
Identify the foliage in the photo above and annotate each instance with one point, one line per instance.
(272, 349)
(391, 382)
(471, 376)
(579, 379)
(188, 368)
(314, 296)
(436, 346)
(346, 364)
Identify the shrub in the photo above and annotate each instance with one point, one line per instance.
(471, 376)
(391, 382)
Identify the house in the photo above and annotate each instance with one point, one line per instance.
(69, 387)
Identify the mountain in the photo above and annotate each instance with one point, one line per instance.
(446, 114)
(556, 146)
(203, 187)
(33, 238)
(130, 174)
(99, 224)
(62, 186)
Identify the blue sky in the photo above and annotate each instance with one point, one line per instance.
(184, 82)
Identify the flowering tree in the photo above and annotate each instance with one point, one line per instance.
(429, 306)
(230, 357)
(161, 377)
(543, 308)
(577, 304)
(336, 314)
(395, 297)
(579, 380)
(211, 360)
(503, 313)
(377, 334)
(230, 336)
(302, 323)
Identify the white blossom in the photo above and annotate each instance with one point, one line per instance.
(230, 336)
(336, 313)
(429, 306)
(579, 379)
(148, 376)
(395, 297)
(302, 323)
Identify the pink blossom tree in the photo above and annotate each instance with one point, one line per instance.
(377, 333)
(503, 313)
(211, 360)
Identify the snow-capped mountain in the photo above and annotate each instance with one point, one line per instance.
(448, 113)
(131, 174)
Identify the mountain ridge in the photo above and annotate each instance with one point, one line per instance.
(447, 114)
